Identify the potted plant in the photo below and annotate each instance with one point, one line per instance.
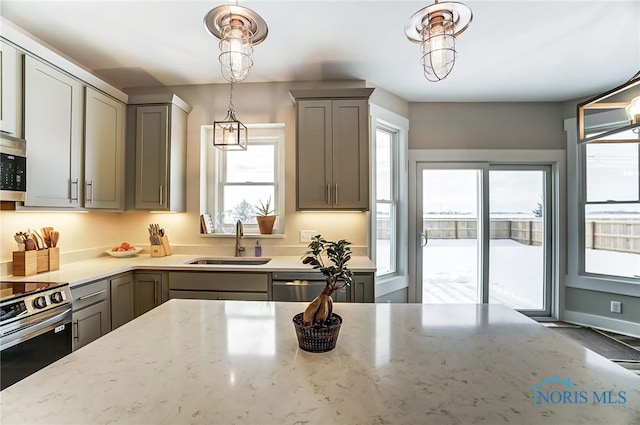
(265, 216)
(318, 326)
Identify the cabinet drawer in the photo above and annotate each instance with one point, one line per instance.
(219, 281)
(243, 296)
(193, 295)
(90, 293)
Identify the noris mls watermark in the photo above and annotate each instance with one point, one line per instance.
(543, 395)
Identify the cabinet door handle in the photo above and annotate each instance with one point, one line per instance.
(155, 292)
(90, 190)
(161, 194)
(335, 195)
(77, 333)
(328, 194)
(74, 181)
(84, 297)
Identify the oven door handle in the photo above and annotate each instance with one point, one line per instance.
(23, 333)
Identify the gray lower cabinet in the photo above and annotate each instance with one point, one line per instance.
(91, 312)
(151, 290)
(219, 285)
(362, 288)
(122, 300)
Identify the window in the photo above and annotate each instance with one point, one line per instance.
(235, 182)
(610, 186)
(386, 201)
(388, 224)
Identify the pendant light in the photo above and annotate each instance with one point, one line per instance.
(613, 116)
(435, 28)
(238, 29)
(230, 134)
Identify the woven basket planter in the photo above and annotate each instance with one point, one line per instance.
(317, 339)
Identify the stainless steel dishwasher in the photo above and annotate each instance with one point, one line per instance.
(301, 286)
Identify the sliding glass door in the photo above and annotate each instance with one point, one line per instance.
(483, 234)
(519, 270)
(449, 234)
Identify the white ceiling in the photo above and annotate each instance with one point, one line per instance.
(513, 51)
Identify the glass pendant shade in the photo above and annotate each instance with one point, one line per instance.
(633, 110)
(238, 29)
(435, 28)
(438, 47)
(230, 134)
(235, 51)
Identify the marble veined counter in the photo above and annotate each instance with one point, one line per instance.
(234, 362)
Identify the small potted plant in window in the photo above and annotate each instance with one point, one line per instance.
(318, 326)
(265, 215)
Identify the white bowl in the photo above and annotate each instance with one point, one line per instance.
(122, 254)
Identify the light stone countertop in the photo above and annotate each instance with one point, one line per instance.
(235, 362)
(80, 272)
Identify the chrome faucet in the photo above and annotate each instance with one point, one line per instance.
(239, 235)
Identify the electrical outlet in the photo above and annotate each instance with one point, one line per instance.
(306, 235)
(616, 307)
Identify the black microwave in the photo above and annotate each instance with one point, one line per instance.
(13, 168)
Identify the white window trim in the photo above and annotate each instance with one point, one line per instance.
(576, 277)
(210, 165)
(391, 282)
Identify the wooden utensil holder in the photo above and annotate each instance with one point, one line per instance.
(161, 250)
(27, 263)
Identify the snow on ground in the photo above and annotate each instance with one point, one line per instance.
(450, 270)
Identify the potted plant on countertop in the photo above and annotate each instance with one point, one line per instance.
(318, 326)
(265, 216)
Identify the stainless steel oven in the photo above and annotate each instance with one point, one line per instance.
(35, 328)
(13, 168)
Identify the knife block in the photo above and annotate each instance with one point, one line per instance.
(161, 250)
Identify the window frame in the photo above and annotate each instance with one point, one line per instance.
(393, 202)
(213, 173)
(391, 287)
(583, 203)
(575, 275)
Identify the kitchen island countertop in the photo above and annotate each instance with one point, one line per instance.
(224, 362)
(81, 272)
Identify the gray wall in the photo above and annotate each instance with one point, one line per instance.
(599, 304)
(486, 125)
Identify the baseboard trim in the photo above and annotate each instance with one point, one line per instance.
(622, 327)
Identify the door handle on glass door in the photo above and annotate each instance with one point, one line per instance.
(424, 240)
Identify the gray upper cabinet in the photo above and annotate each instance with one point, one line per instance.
(10, 90)
(104, 151)
(53, 124)
(332, 149)
(158, 128)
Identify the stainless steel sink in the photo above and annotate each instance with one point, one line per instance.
(238, 261)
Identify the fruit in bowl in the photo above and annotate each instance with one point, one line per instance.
(123, 250)
(124, 246)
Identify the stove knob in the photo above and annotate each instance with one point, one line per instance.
(57, 297)
(40, 302)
